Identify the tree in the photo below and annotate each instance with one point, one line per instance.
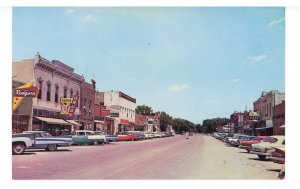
(144, 110)
(165, 120)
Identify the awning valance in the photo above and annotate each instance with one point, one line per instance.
(73, 122)
(263, 128)
(53, 120)
(97, 121)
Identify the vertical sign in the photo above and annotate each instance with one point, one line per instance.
(73, 105)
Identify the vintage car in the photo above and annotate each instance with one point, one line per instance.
(278, 155)
(246, 144)
(44, 140)
(81, 137)
(109, 138)
(20, 143)
(127, 136)
(264, 149)
(141, 135)
(236, 142)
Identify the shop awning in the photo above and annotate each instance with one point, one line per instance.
(97, 121)
(282, 126)
(73, 122)
(53, 120)
(263, 128)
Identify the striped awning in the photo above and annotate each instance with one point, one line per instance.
(53, 120)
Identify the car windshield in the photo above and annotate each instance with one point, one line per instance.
(270, 139)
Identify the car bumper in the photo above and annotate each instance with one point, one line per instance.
(245, 147)
(277, 159)
(260, 153)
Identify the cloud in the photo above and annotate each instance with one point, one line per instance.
(178, 87)
(70, 11)
(89, 18)
(257, 58)
(275, 22)
(236, 80)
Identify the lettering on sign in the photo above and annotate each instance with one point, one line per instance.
(26, 92)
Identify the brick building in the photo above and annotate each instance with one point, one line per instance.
(87, 99)
(265, 106)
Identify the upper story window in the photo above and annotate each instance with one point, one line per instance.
(65, 92)
(56, 93)
(48, 91)
(71, 93)
(40, 90)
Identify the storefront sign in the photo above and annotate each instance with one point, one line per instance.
(105, 112)
(26, 92)
(114, 114)
(73, 105)
(124, 121)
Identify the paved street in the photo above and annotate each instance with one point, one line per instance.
(199, 157)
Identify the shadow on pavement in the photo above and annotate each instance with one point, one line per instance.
(274, 170)
(259, 159)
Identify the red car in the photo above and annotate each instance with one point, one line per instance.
(246, 144)
(127, 136)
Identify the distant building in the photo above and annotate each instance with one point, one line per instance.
(122, 109)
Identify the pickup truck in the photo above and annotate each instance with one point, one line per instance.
(81, 137)
(44, 140)
(20, 143)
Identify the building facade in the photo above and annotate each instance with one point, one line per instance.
(86, 107)
(265, 106)
(279, 128)
(122, 110)
(55, 80)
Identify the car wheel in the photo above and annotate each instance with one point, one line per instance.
(248, 151)
(18, 148)
(51, 147)
(261, 157)
(95, 143)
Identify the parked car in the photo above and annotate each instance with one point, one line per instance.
(157, 135)
(141, 135)
(127, 136)
(236, 142)
(278, 155)
(246, 144)
(44, 140)
(81, 137)
(264, 149)
(20, 143)
(109, 138)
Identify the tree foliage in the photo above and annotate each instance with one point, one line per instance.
(144, 110)
(210, 125)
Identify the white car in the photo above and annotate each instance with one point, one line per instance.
(19, 144)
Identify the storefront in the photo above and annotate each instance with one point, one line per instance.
(265, 128)
(54, 126)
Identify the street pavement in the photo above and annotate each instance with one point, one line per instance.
(180, 157)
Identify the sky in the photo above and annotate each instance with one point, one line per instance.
(194, 63)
